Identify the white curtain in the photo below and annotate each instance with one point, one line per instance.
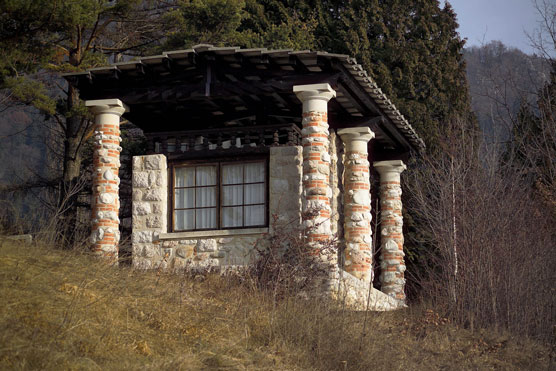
(237, 196)
(205, 197)
(232, 194)
(202, 179)
(183, 198)
(254, 193)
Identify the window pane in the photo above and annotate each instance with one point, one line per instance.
(232, 174)
(206, 218)
(254, 215)
(184, 219)
(232, 195)
(206, 197)
(185, 176)
(232, 217)
(254, 172)
(206, 175)
(184, 198)
(254, 194)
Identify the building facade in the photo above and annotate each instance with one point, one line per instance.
(245, 144)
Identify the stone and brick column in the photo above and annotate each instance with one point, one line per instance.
(357, 202)
(392, 256)
(106, 162)
(316, 158)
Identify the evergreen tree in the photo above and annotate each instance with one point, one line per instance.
(64, 36)
(411, 48)
(247, 24)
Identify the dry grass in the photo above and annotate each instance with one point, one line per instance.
(62, 310)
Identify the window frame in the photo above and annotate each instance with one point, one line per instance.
(219, 193)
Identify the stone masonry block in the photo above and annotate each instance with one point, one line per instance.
(137, 163)
(138, 222)
(155, 162)
(141, 208)
(154, 221)
(141, 236)
(155, 194)
(207, 245)
(137, 194)
(159, 208)
(154, 179)
(285, 151)
(140, 179)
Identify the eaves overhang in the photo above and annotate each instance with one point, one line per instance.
(228, 84)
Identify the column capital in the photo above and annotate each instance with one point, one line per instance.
(356, 138)
(396, 166)
(314, 96)
(103, 106)
(390, 170)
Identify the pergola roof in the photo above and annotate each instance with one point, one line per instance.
(208, 87)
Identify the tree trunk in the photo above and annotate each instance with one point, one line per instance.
(70, 183)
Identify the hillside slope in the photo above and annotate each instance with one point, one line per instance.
(63, 310)
(501, 78)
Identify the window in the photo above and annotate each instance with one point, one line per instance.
(219, 195)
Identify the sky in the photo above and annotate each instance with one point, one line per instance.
(481, 21)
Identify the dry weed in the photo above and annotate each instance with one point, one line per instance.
(64, 310)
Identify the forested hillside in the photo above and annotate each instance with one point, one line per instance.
(501, 79)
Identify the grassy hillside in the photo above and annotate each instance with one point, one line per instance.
(63, 310)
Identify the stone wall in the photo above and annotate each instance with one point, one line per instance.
(224, 249)
(149, 209)
(155, 247)
(285, 187)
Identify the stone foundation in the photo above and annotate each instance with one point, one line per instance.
(210, 252)
(355, 293)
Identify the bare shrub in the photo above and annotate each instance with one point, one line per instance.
(39, 210)
(490, 258)
(10, 220)
(290, 263)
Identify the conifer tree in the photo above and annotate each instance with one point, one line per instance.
(248, 24)
(411, 48)
(64, 36)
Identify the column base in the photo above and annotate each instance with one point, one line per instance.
(355, 293)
